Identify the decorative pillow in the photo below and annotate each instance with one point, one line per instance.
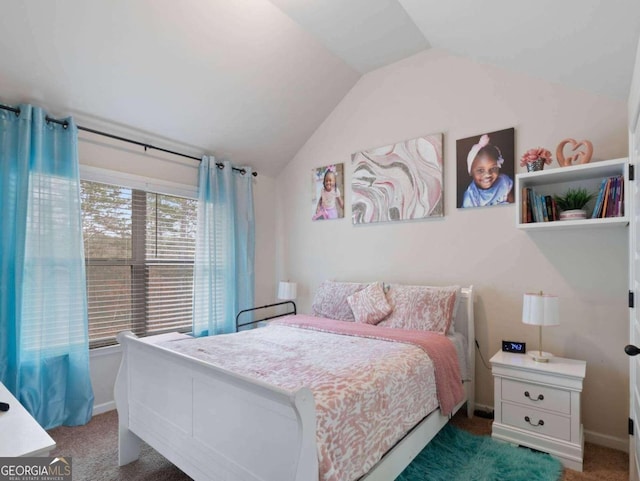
(370, 304)
(330, 300)
(421, 307)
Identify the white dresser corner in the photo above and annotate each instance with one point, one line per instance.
(20, 434)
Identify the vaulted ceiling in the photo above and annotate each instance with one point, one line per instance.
(250, 80)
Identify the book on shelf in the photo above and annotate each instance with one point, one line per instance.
(609, 202)
(543, 208)
(548, 201)
(534, 206)
(537, 208)
(621, 198)
(612, 196)
(598, 205)
(554, 208)
(525, 208)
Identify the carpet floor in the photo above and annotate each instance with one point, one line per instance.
(94, 452)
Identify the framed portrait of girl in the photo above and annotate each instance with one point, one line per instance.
(328, 185)
(485, 168)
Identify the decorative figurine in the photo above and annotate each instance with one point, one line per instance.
(579, 157)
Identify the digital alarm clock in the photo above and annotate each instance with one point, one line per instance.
(512, 346)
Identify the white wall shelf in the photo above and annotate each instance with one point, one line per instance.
(556, 181)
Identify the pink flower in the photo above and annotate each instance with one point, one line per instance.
(532, 155)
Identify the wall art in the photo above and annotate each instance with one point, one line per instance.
(327, 186)
(485, 167)
(397, 182)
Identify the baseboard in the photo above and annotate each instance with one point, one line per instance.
(483, 407)
(104, 407)
(621, 444)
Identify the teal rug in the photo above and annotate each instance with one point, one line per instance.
(456, 455)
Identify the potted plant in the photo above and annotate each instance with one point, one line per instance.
(572, 203)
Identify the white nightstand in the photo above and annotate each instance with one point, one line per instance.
(538, 405)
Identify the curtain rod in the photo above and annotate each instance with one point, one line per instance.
(64, 123)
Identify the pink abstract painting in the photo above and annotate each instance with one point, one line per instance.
(397, 182)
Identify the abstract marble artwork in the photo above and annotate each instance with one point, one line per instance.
(401, 181)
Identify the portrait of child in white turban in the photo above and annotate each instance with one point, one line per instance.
(486, 169)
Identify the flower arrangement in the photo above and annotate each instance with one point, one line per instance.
(533, 155)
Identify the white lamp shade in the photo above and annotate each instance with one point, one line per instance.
(540, 310)
(287, 290)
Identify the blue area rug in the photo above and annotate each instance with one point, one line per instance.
(456, 455)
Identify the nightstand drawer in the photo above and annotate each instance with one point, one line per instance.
(529, 419)
(538, 396)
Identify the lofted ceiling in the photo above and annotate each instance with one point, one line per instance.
(251, 80)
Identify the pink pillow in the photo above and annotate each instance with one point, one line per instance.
(330, 300)
(370, 304)
(421, 307)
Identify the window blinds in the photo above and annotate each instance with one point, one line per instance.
(139, 253)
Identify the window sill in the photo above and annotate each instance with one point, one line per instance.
(105, 351)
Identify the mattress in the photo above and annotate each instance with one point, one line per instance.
(368, 393)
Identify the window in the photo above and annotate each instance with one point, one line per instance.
(139, 253)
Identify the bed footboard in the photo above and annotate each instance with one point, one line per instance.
(212, 424)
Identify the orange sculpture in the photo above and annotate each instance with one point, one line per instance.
(579, 157)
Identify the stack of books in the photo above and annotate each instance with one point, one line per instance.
(538, 208)
(610, 200)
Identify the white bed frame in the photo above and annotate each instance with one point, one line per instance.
(220, 426)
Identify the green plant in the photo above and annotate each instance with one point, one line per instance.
(574, 199)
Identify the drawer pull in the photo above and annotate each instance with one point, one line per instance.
(528, 419)
(540, 396)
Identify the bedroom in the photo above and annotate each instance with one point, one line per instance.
(323, 114)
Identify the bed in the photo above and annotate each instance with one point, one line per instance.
(218, 424)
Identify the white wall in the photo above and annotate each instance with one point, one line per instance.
(436, 92)
(104, 153)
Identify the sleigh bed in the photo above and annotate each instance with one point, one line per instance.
(217, 423)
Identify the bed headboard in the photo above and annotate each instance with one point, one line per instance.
(464, 323)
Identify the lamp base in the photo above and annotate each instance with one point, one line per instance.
(540, 356)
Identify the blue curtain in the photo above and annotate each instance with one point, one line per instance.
(44, 353)
(223, 277)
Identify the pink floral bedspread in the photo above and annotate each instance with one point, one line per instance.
(368, 393)
(440, 349)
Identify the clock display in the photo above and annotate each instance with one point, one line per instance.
(514, 346)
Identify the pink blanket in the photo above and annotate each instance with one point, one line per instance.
(440, 349)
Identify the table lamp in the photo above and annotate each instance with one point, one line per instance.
(287, 290)
(540, 310)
